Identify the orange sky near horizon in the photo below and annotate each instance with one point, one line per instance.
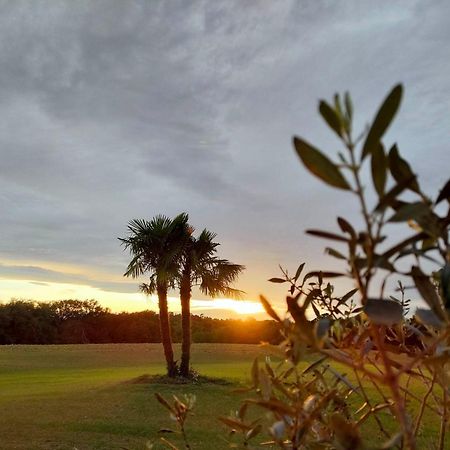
(130, 302)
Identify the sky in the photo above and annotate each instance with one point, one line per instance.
(115, 110)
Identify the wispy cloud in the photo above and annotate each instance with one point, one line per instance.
(41, 276)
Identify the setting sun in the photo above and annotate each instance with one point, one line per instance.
(222, 305)
(239, 306)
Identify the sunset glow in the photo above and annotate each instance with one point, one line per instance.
(117, 301)
(244, 307)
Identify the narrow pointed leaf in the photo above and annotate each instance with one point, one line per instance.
(346, 227)
(234, 423)
(427, 290)
(428, 317)
(410, 211)
(444, 194)
(324, 274)
(299, 271)
(277, 280)
(318, 164)
(348, 105)
(330, 117)
(382, 120)
(164, 402)
(347, 296)
(253, 432)
(390, 197)
(327, 235)
(268, 307)
(335, 253)
(379, 166)
(445, 285)
(403, 244)
(400, 169)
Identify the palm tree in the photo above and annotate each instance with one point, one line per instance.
(157, 247)
(201, 267)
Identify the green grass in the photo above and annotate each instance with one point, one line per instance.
(88, 397)
(96, 396)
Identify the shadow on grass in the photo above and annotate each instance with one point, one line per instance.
(196, 379)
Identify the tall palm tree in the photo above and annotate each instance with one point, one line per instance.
(201, 267)
(157, 247)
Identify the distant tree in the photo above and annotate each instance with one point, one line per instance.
(156, 247)
(77, 309)
(27, 322)
(201, 267)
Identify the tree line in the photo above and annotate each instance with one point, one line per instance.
(87, 322)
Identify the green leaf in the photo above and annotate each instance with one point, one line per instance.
(410, 211)
(379, 166)
(299, 271)
(383, 312)
(268, 307)
(390, 197)
(315, 364)
(164, 402)
(428, 317)
(335, 253)
(403, 244)
(347, 296)
(346, 227)
(327, 235)
(318, 164)
(277, 280)
(445, 285)
(427, 290)
(330, 117)
(234, 423)
(348, 105)
(338, 107)
(444, 194)
(383, 263)
(318, 273)
(382, 120)
(400, 169)
(242, 411)
(253, 432)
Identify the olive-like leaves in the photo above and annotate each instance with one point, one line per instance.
(383, 312)
(382, 120)
(318, 164)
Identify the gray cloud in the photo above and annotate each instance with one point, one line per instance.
(41, 276)
(112, 110)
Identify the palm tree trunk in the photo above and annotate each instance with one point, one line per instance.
(166, 336)
(185, 297)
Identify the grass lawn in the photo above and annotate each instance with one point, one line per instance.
(90, 396)
(94, 396)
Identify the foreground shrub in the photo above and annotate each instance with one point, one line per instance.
(338, 350)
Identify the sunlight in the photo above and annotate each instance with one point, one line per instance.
(237, 306)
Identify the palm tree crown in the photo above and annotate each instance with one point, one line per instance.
(156, 246)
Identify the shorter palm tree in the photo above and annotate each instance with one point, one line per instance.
(157, 247)
(214, 276)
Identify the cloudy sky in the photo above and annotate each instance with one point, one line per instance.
(114, 110)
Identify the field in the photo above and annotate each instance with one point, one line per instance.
(97, 397)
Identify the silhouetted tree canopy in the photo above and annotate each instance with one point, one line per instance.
(85, 321)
